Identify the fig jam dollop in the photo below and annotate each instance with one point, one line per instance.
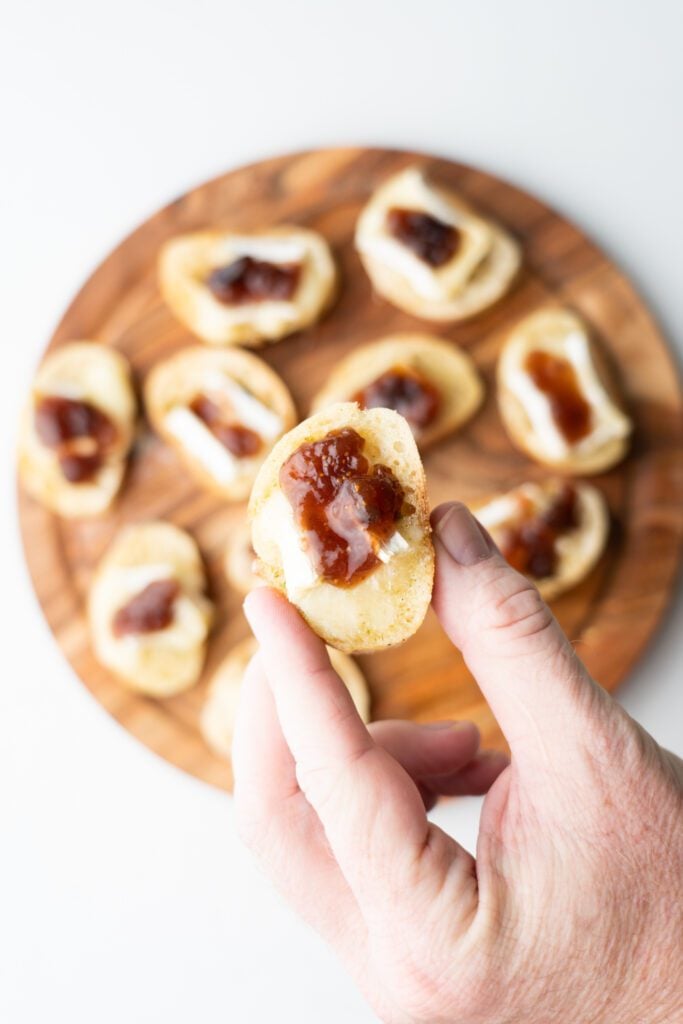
(405, 390)
(530, 545)
(149, 611)
(557, 379)
(250, 280)
(345, 508)
(432, 241)
(79, 432)
(241, 441)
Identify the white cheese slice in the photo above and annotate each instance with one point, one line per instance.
(608, 422)
(200, 443)
(270, 250)
(410, 190)
(249, 410)
(500, 511)
(188, 627)
(298, 571)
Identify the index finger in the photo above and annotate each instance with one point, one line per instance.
(372, 812)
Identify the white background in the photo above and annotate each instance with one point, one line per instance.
(124, 894)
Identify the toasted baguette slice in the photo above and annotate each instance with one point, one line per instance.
(577, 549)
(526, 412)
(186, 262)
(479, 273)
(220, 708)
(387, 606)
(96, 374)
(239, 560)
(169, 660)
(443, 364)
(172, 385)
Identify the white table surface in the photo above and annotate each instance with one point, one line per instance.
(124, 893)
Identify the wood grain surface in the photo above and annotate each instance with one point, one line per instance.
(610, 617)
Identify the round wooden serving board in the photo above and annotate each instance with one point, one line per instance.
(611, 616)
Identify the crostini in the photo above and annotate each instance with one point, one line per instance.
(554, 532)
(220, 708)
(77, 429)
(233, 288)
(340, 524)
(557, 396)
(429, 253)
(149, 617)
(429, 381)
(239, 560)
(222, 411)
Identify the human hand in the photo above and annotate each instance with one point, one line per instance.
(573, 910)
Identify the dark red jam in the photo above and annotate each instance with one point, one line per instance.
(249, 280)
(430, 239)
(344, 507)
(79, 432)
(405, 390)
(149, 611)
(557, 379)
(530, 546)
(240, 440)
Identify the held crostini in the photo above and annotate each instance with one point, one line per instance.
(429, 253)
(220, 709)
(556, 395)
(222, 411)
(77, 429)
(149, 617)
(431, 382)
(554, 532)
(233, 288)
(340, 524)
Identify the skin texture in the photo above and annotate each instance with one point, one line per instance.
(573, 909)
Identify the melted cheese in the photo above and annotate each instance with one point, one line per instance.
(300, 576)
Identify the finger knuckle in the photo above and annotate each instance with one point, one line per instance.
(518, 610)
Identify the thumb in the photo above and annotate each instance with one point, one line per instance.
(537, 688)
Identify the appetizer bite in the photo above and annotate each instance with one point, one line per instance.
(429, 253)
(245, 289)
(77, 429)
(222, 411)
(340, 524)
(239, 560)
(556, 396)
(431, 382)
(148, 615)
(553, 532)
(220, 709)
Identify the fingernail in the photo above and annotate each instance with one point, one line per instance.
(460, 534)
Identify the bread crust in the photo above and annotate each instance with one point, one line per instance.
(578, 550)
(239, 560)
(217, 721)
(514, 414)
(443, 363)
(185, 261)
(176, 380)
(151, 664)
(388, 606)
(97, 374)
(489, 281)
